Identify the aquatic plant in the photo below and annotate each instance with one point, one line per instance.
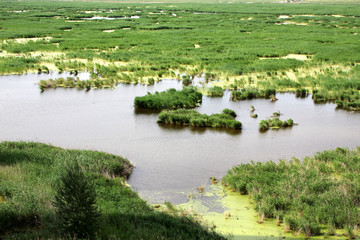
(196, 119)
(215, 91)
(186, 80)
(229, 112)
(251, 93)
(188, 97)
(301, 92)
(313, 196)
(275, 122)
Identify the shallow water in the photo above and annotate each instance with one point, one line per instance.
(170, 162)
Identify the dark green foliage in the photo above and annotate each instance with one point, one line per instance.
(250, 93)
(151, 81)
(344, 99)
(196, 119)
(28, 172)
(349, 105)
(188, 97)
(274, 123)
(186, 80)
(75, 204)
(320, 193)
(215, 91)
(229, 112)
(301, 92)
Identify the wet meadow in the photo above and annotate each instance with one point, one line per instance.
(214, 65)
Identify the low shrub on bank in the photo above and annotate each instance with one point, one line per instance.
(318, 195)
(188, 97)
(226, 119)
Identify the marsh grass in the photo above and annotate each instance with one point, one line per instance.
(226, 119)
(315, 196)
(167, 40)
(251, 93)
(188, 97)
(275, 123)
(29, 171)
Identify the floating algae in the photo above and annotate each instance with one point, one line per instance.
(233, 215)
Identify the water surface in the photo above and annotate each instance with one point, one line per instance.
(170, 162)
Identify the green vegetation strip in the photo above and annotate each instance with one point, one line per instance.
(286, 47)
(215, 91)
(251, 93)
(30, 171)
(315, 197)
(274, 123)
(188, 97)
(226, 119)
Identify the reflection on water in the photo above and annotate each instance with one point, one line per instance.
(170, 161)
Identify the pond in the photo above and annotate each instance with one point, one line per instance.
(170, 162)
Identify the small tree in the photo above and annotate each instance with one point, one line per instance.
(75, 198)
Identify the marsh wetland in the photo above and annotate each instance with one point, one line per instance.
(96, 76)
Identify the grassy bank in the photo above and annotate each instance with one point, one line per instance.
(28, 172)
(318, 196)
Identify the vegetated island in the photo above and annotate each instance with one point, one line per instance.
(274, 123)
(29, 171)
(319, 196)
(215, 91)
(188, 97)
(251, 93)
(226, 119)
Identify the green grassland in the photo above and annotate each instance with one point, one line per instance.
(29, 171)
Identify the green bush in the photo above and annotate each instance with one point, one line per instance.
(188, 97)
(274, 123)
(215, 91)
(75, 204)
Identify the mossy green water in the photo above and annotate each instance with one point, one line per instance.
(233, 215)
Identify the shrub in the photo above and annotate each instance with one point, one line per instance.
(75, 203)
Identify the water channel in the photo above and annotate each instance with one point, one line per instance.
(170, 162)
